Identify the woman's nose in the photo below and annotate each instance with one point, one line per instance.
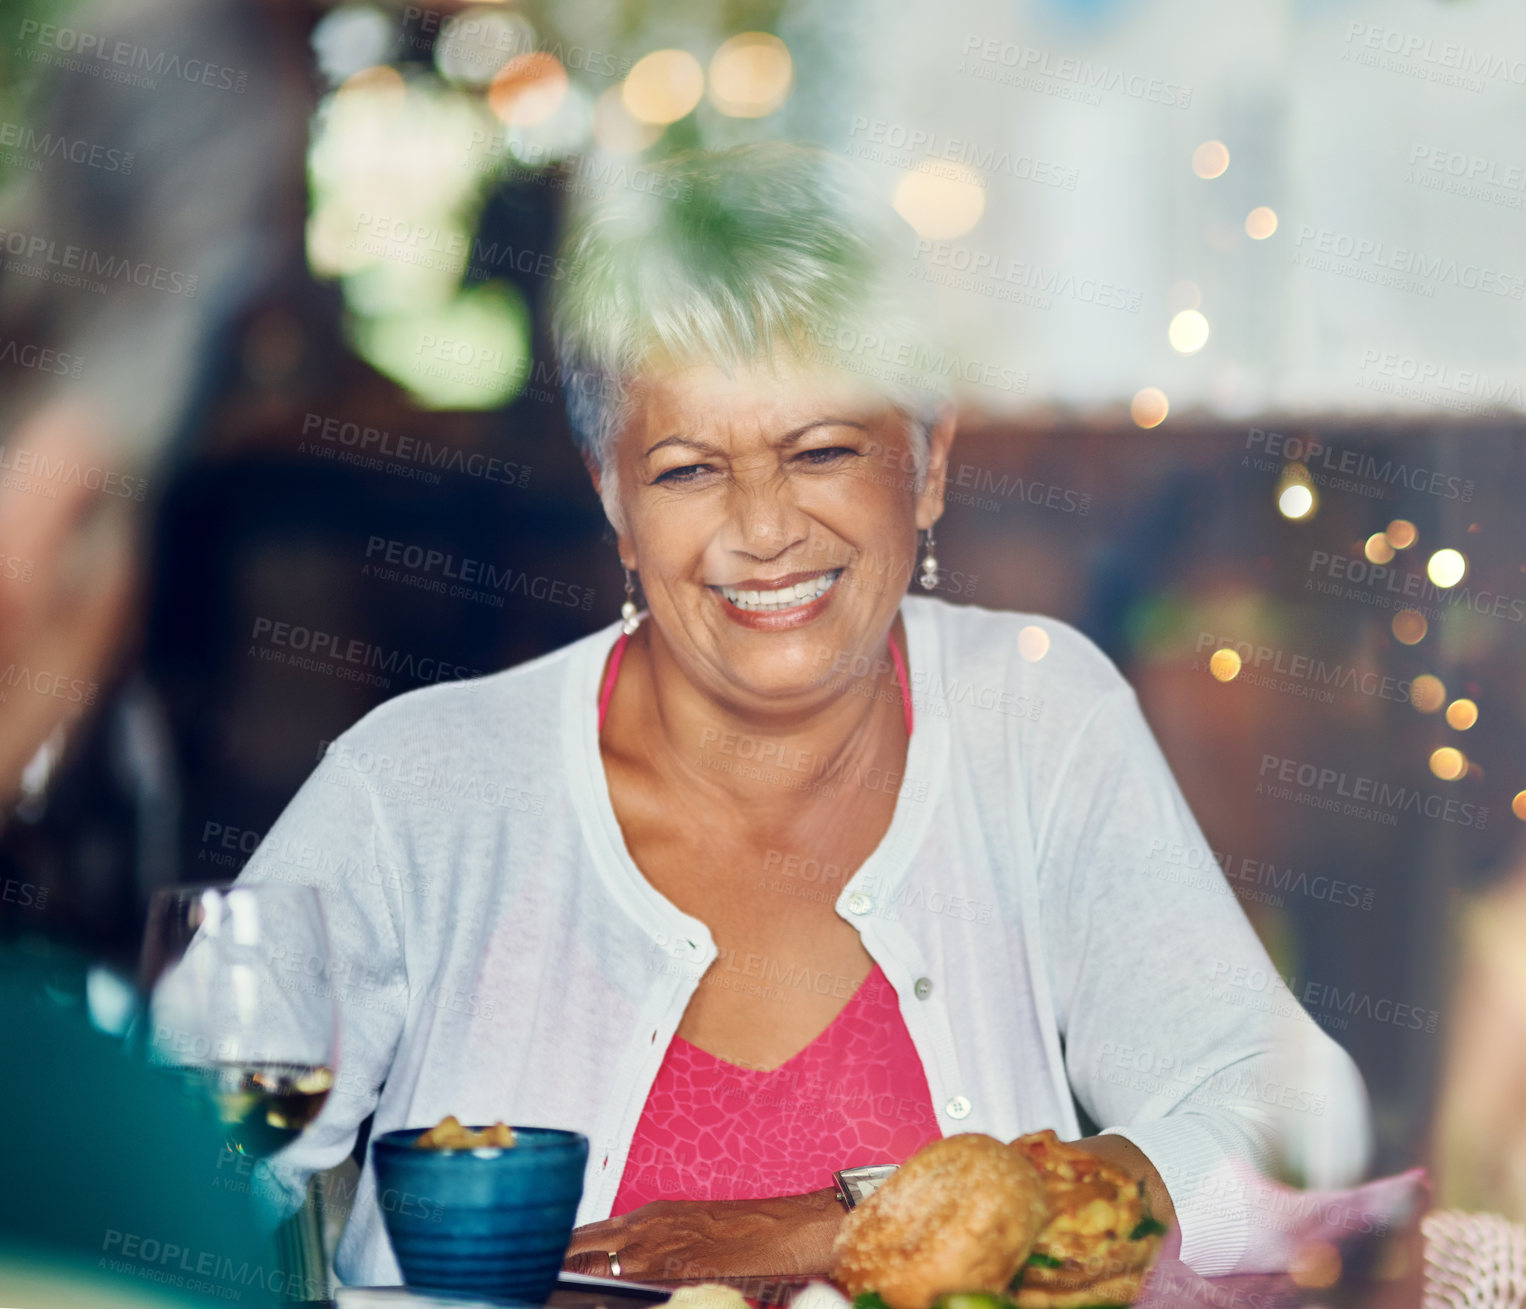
(763, 517)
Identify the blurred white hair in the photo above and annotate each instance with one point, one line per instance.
(727, 257)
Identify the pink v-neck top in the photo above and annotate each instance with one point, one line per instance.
(712, 1130)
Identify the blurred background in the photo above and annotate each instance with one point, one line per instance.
(1237, 317)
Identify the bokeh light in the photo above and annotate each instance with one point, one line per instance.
(528, 89)
(394, 200)
(1427, 693)
(1379, 549)
(547, 140)
(1409, 627)
(663, 86)
(1462, 714)
(1210, 160)
(751, 75)
(1033, 643)
(1188, 332)
(1448, 763)
(1401, 533)
(1260, 223)
(1447, 567)
(1149, 407)
(472, 352)
(1224, 665)
(477, 42)
(1296, 500)
(350, 38)
(940, 199)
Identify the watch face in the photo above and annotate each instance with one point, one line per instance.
(855, 1185)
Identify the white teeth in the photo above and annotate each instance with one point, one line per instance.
(784, 597)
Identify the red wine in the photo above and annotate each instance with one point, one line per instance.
(264, 1106)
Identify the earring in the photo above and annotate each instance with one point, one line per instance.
(929, 564)
(628, 609)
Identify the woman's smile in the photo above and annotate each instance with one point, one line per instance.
(784, 602)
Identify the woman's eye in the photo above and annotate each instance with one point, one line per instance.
(685, 474)
(827, 454)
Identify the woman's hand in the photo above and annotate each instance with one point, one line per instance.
(670, 1240)
(1124, 1154)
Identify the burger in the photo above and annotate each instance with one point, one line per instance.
(1100, 1240)
(969, 1222)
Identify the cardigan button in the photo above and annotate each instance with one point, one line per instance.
(923, 988)
(859, 903)
(958, 1107)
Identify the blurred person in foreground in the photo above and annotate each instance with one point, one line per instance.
(791, 872)
(111, 1171)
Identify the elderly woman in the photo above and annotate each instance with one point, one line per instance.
(789, 873)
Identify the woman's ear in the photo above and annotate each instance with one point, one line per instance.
(939, 442)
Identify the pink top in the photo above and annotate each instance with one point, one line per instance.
(712, 1130)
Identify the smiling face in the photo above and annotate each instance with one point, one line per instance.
(772, 514)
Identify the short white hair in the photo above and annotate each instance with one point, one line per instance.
(727, 256)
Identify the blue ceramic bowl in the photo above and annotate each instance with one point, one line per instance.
(490, 1222)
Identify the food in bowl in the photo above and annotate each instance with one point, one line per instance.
(970, 1223)
(449, 1134)
(492, 1222)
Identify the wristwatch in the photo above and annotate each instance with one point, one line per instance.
(855, 1185)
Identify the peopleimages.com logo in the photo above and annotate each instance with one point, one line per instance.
(1317, 678)
(34, 148)
(111, 59)
(444, 573)
(1327, 457)
(1370, 260)
(1266, 989)
(31, 254)
(1440, 58)
(1019, 281)
(881, 141)
(1033, 63)
(1360, 797)
(1386, 587)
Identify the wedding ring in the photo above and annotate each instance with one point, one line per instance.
(614, 1264)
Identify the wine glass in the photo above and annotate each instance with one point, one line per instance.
(241, 1002)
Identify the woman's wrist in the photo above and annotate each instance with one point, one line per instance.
(814, 1221)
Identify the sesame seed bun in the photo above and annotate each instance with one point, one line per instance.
(960, 1215)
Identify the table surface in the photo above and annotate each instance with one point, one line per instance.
(572, 1292)
(1171, 1286)
(1375, 1275)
